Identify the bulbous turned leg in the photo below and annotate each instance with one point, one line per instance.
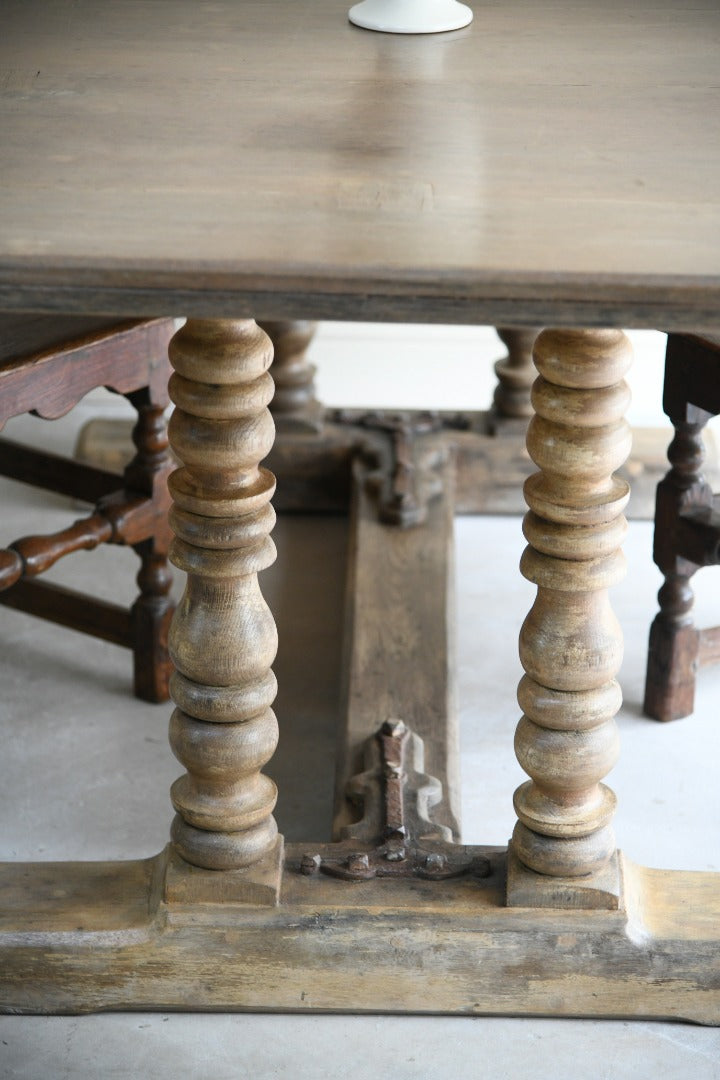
(223, 638)
(563, 847)
(294, 406)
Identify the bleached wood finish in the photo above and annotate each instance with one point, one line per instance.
(269, 159)
(223, 638)
(333, 946)
(571, 643)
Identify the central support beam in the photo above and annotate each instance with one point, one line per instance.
(399, 636)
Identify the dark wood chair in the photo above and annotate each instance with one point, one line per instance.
(687, 529)
(47, 364)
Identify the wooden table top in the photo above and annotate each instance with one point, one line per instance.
(554, 162)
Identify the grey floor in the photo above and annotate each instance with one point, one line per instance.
(86, 771)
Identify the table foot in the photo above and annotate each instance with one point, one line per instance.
(258, 884)
(602, 889)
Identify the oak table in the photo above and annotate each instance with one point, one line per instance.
(549, 165)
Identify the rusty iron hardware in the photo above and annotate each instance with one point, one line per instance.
(405, 459)
(412, 421)
(404, 474)
(395, 837)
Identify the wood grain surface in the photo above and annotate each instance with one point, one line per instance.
(549, 164)
(77, 937)
(223, 638)
(400, 643)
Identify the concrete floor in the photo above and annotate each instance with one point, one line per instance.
(86, 771)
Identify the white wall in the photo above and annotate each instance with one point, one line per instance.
(447, 367)
(439, 367)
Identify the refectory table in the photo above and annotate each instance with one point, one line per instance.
(549, 165)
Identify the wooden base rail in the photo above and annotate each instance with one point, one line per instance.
(95, 936)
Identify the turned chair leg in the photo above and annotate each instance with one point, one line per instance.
(686, 536)
(152, 611)
(151, 615)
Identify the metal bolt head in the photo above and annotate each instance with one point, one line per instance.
(435, 861)
(358, 862)
(396, 728)
(481, 867)
(396, 854)
(309, 864)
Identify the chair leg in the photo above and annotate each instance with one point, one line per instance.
(674, 648)
(672, 653)
(151, 614)
(152, 611)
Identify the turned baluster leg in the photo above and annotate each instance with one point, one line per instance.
(515, 372)
(571, 643)
(223, 638)
(152, 611)
(294, 406)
